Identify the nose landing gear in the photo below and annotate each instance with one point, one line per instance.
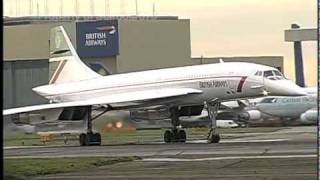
(212, 108)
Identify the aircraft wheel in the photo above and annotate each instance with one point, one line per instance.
(97, 138)
(89, 139)
(168, 136)
(82, 139)
(215, 138)
(182, 136)
(93, 139)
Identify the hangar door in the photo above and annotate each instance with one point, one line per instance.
(19, 77)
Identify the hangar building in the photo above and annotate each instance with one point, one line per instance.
(109, 45)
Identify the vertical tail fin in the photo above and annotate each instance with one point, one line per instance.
(70, 67)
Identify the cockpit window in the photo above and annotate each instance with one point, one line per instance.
(273, 75)
(268, 74)
(268, 100)
(277, 73)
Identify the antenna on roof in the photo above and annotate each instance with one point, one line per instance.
(153, 9)
(61, 8)
(17, 11)
(76, 8)
(37, 8)
(30, 7)
(106, 8)
(92, 7)
(123, 7)
(11, 9)
(136, 7)
(46, 10)
(109, 8)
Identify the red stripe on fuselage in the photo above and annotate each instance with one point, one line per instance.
(240, 85)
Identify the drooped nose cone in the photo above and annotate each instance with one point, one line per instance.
(283, 88)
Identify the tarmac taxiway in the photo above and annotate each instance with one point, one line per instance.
(286, 154)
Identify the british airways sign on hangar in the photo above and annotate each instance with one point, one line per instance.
(97, 38)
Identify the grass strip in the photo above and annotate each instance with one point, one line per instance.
(30, 167)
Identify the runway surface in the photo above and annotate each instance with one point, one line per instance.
(285, 154)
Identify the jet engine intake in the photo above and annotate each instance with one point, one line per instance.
(309, 116)
(252, 115)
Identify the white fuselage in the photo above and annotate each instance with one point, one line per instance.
(223, 81)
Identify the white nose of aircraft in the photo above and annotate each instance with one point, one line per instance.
(283, 87)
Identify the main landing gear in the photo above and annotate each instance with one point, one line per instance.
(179, 135)
(176, 134)
(212, 108)
(90, 137)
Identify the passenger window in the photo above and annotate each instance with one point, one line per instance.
(268, 100)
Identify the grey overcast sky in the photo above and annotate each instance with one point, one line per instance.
(218, 27)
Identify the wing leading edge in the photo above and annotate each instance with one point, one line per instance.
(114, 98)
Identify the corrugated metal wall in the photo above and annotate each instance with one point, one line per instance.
(19, 77)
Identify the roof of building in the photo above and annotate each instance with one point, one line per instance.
(10, 21)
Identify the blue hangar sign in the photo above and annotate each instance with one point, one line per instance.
(97, 38)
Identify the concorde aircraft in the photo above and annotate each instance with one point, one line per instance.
(184, 90)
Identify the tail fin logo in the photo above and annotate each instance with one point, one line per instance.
(70, 67)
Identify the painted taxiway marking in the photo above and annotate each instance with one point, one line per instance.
(229, 158)
(54, 156)
(242, 141)
(192, 141)
(21, 147)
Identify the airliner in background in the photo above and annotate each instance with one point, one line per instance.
(270, 109)
(185, 91)
(300, 108)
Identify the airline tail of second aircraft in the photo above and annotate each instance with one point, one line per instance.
(70, 67)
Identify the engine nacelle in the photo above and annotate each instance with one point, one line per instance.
(28, 129)
(73, 113)
(309, 116)
(252, 115)
(160, 114)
